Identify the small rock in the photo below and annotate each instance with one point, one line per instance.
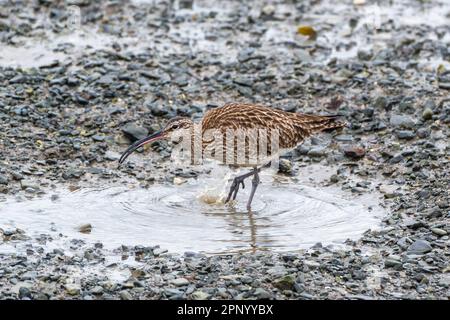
(402, 121)
(268, 10)
(405, 134)
(393, 261)
(72, 289)
(285, 166)
(419, 247)
(284, 283)
(317, 152)
(180, 282)
(24, 292)
(389, 191)
(380, 102)
(423, 133)
(172, 292)
(364, 55)
(354, 152)
(177, 181)
(427, 114)
(85, 228)
(438, 231)
(260, 293)
(159, 251)
(134, 132)
(25, 184)
(125, 295)
(111, 156)
(199, 295)
(97, 290)
(3, 179)
(312, 264)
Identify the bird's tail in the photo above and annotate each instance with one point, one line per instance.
(314, 123)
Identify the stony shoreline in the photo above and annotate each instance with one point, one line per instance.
(64, 123)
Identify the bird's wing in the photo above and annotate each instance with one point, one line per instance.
(241, 116)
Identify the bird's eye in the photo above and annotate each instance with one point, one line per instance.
(175, 126)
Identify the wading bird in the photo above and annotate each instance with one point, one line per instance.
(238, 125)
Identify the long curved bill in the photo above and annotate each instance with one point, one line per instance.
(156, 136)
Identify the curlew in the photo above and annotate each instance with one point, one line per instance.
(243, 135)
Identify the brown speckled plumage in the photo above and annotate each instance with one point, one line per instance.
(293, 128)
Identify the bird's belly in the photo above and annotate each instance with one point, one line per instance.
(244, 159)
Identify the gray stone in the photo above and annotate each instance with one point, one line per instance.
(438, 231)
(112, 156)
(285, 166)
(172, 292)
(402, 121)
(199, 295)
(24, 292)
(393, 261)
(4, 179)
(72, 289)
(317, 152)
(405, 134)
(312, 264)
(180, 282)
(260, 293)
(97, 290)
(25, 184)
(125, 295)
(159, 251)
(134, 131)
(423, 133)
(419, 247)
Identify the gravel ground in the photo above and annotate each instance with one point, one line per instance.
(69, 111)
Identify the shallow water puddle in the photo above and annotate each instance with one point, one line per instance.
(285, 217)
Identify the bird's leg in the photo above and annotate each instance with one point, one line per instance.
(255, 183)
(239, 180)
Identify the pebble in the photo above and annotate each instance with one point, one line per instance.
(199, 295)
(97, 290)
(4, 179)
(28, 184)
(317, 152)
(427, 114)
(112, 156)
(405, 134)
(284, 283)
(402, 121)
(354, 152)
(125, 295)
(134, 131)
(285, 166)
(393, 261)
(438, 231)
(72, 289)
(85, 228)
(419, 247)
(179, 282)
(24, 292)
(260, 293)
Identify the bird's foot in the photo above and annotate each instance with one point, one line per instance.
(237, 182)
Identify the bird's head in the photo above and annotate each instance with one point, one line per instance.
(173, 129)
